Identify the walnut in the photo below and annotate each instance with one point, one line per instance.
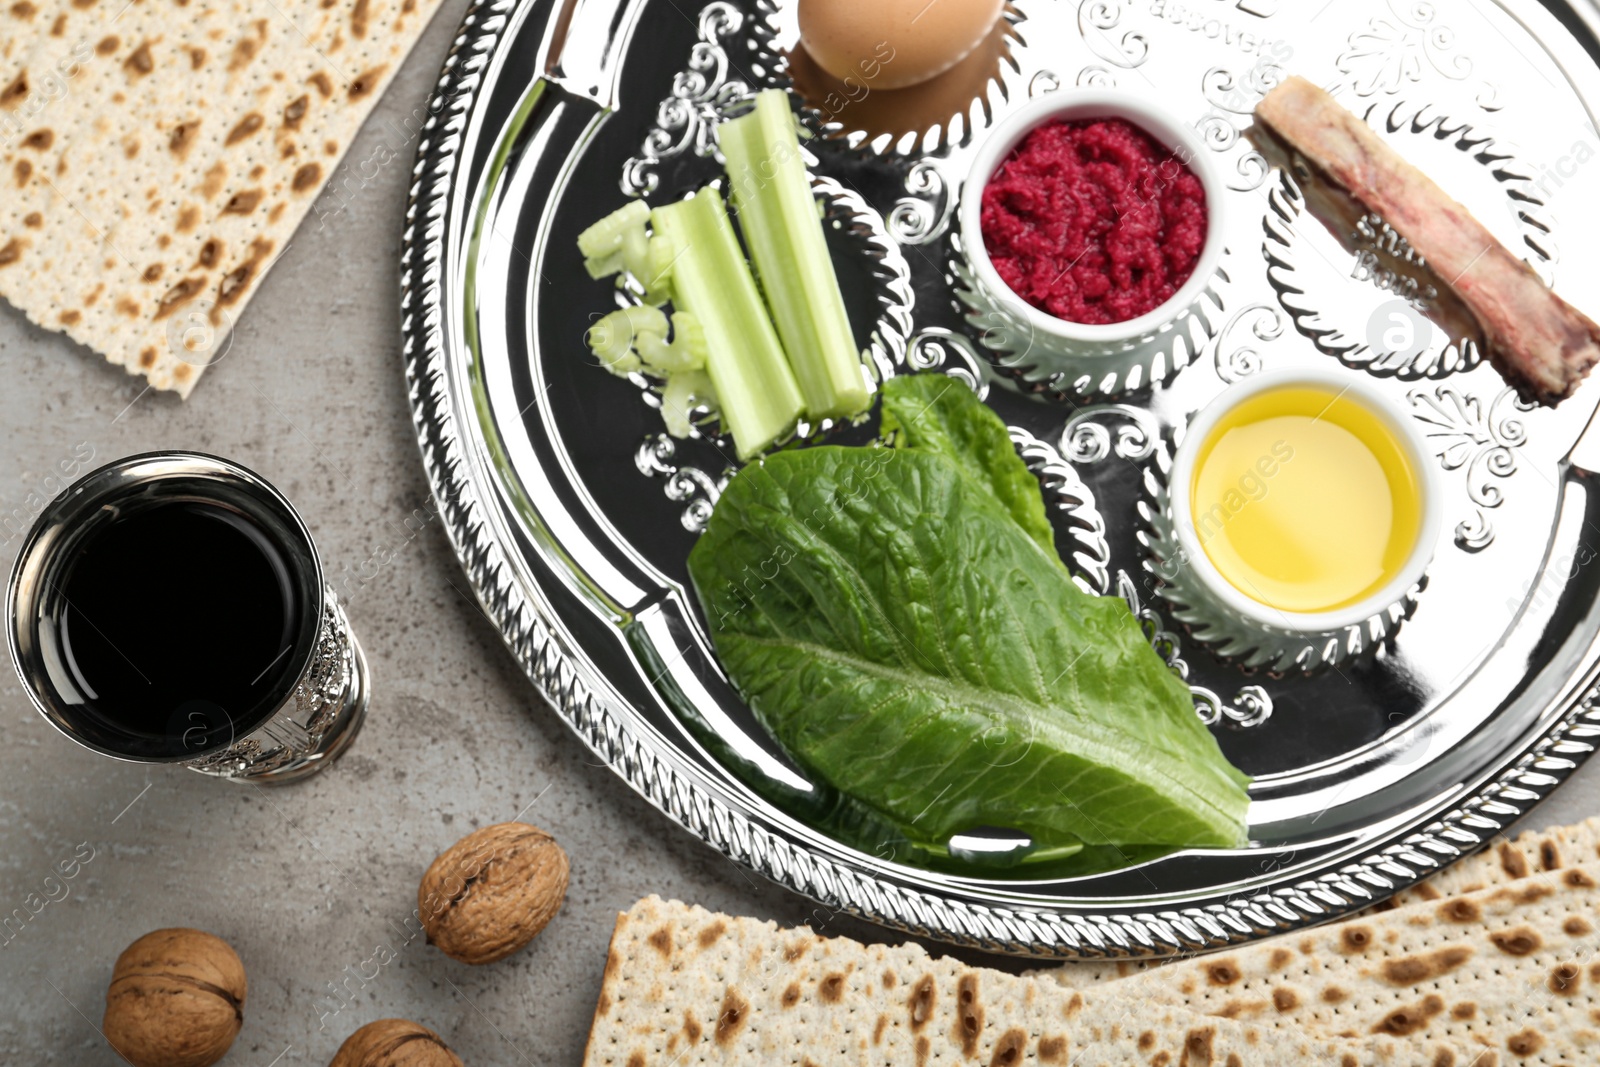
(491, 893)
(176, 1000)
(394, 1043)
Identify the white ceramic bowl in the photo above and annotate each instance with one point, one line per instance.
(1350, 386)
(1049, 334)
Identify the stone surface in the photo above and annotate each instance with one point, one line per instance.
(313, 883)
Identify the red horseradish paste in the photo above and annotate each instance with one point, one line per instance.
(1094, 221)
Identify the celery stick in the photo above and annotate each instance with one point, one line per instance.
(610, 234)
(781, 225)
(757, 392)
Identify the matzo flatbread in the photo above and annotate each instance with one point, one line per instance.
(684, 986)
(157, 155)
(1513, 969)
(1505, 860)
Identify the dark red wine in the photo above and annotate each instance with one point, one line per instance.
(181, 624)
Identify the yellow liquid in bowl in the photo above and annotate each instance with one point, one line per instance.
(1305, 500)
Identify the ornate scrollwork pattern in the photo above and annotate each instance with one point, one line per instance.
(1097, 19)
(948, 352)
(1095, 77)
(687, 119)
(1235, 362)
(1087, 439)
(1483, 443)
(924, 215)
(1390, 50)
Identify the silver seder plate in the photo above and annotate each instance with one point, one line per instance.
(1378, 758)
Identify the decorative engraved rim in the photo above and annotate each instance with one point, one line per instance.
(690, 797)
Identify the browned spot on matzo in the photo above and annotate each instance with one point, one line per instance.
(367, 81)
(139, 63)
(15, 92)
(308, 176)
(181, 139)
(1512, 860)
(969, 1021)
(1408, 1020)
(1355, 938)
(1525, 1042)
(1521, 941)
(243, 202)
(245, 127)
(1565, 978)
(1009, 1050)
(920, 1003)
(177, 296)
(709, 935)
(731, 1018)
(1409, 970)
(1223, 973)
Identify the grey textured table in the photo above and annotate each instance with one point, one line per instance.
(311, 883)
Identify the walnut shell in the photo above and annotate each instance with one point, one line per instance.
(176, 999)
(491, 893)
(394, 1043)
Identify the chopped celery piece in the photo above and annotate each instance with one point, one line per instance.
(614, 338)
(636, 252)
(685, 392)
(610, 234)
(757, 392)
(603, 266)
(781, 224)
(645, 320)
(657, 278)
(686, 352)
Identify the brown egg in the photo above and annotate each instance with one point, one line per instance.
(890, 44)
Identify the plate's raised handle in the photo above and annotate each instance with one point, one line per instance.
(585, 44)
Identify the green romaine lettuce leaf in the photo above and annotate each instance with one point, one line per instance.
(902, 635)
(940, 414)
